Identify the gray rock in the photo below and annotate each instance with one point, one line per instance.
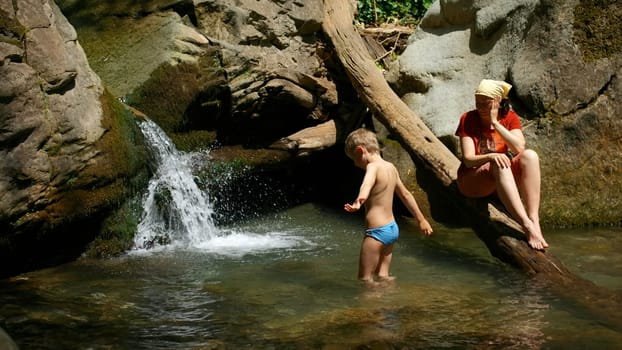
(562, 96)
(52, 123)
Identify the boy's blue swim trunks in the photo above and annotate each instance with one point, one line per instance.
(386, 234)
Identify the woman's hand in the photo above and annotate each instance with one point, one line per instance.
(494, 111)
(500, 159)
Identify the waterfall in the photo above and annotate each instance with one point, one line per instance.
(177, 213)
(175, 210)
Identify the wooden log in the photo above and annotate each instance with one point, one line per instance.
(501, 234)
(309, 140)
(373, 89)
(389, 109)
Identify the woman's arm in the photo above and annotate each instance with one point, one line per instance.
(470, 159)
(513, 138)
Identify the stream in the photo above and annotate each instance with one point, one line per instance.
(287, 280)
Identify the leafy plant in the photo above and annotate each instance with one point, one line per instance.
(405, 12)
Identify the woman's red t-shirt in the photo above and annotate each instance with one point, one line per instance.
(486, 141)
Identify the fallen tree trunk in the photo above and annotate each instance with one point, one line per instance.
(501, 234)
(308, 140)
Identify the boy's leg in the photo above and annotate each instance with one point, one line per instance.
(369, 258)
(386, 254)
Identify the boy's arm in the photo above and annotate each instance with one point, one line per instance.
(409, 201)
(368, 183)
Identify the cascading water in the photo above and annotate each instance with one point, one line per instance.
(177, 213)
(175, 210)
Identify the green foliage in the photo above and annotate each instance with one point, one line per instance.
(406, 12)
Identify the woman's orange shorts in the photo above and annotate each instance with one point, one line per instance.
(479, 181)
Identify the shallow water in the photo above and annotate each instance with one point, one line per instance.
(289, 282)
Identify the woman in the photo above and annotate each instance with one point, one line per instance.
(489, 135)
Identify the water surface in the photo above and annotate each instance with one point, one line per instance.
(289, 282)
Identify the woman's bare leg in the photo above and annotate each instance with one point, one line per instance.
(529, 186)
(510, 197)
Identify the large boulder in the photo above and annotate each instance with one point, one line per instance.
(236, 77)
(66, 145)
(249, 71)
(563, 59)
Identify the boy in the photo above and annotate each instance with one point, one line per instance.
(380, 183)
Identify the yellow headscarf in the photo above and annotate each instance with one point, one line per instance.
(493, 88)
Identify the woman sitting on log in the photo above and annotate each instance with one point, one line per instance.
(494, 158)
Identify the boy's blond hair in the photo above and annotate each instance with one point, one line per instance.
(361, 137)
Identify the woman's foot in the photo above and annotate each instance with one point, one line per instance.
(534, 237)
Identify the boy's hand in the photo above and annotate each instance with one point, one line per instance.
(352, 207)
(425, 227)
(356, 205)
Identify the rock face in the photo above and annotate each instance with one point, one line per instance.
(63, 159)
(238, 77)
(249, 71)
(564, 61)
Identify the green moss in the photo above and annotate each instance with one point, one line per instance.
(581, 182)
(220, 172)
(13, 31)
(123, 142)
(109, 184)
(598, 28)
(167, 94)
(165, 98)
(193, 140)
(117, 232)
(581, 192)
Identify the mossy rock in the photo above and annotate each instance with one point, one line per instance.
(598, 28)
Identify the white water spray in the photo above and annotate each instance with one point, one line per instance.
(177, 213)
(175, 210)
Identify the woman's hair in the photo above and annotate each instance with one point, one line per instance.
(504, 106)
(361, 137)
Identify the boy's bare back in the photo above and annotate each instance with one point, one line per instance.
(379, 204)
(380, 183)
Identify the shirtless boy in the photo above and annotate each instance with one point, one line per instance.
(380, 183)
